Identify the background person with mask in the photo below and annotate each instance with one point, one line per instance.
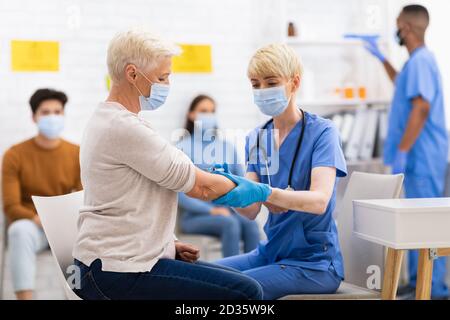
(44, 165)
(417, 142)
(204, 147)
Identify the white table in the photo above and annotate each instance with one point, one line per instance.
(405, 224)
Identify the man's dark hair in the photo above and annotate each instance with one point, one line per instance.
(46, 94)
(417, 11)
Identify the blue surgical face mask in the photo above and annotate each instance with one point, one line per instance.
(271, 101)
(206, 121)
(158, 95)
(51, 126)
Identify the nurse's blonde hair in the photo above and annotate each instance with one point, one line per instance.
(138, 47)
(275, 60)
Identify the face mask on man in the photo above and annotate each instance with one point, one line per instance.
(206, 121)
(158, 95)
(399, 38)
(271, 101)
(51, 126)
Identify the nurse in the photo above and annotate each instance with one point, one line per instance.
(299, 155)
(417, 141)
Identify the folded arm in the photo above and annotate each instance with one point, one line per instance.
(209, 186)
(252, 211)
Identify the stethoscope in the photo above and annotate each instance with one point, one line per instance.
(297, 150)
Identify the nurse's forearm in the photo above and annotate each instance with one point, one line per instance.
(315, 202)
(210, 186)
(392, 73)
(417, 119)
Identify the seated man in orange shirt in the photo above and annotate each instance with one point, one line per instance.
(44, 165)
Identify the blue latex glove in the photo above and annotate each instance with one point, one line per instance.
(370, 43)
(244, 194)
(399, 164)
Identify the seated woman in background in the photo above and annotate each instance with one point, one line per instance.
(201, 217)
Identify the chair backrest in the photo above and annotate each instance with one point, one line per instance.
(359, 254)
(59, 217)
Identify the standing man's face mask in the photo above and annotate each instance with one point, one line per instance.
(271, 101)
(51, 126)
(400, 39)
(158, 95)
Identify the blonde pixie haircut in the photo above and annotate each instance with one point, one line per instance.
(275, 60)
(138, 47)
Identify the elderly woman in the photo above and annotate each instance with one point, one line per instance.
(125, 247)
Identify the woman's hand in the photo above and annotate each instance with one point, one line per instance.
(275, 209)
(186, 252)
(220, 211)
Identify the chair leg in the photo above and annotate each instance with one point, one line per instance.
(391, 274)
(424, 275)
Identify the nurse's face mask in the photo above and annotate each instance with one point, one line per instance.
(271, 101)
(157, 97)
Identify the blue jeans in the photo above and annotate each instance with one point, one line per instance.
(25, 240)
(278, 280)
(229, 229)
(427, 187)
(168, 280)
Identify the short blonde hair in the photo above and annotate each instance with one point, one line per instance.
(138, 47)
(275, 60)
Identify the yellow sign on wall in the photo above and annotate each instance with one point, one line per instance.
(194, 59)
(34, 55)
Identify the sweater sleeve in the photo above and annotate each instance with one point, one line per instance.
(139, 146)
(11, 190)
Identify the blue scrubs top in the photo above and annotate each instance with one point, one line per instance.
(300, 238)
(420, 77)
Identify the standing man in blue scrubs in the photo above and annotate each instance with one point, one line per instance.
(417, 141)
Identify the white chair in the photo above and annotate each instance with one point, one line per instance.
(357, 253)
(59, 219)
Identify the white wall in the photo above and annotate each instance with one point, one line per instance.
(235, 28)
(84, 29)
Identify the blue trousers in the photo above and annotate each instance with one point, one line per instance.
(25, 239)
(229, 229)
(427, 187)
(279, 280)
(168, 280)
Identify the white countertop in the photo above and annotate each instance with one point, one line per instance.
(407, 205)
(403, 223)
